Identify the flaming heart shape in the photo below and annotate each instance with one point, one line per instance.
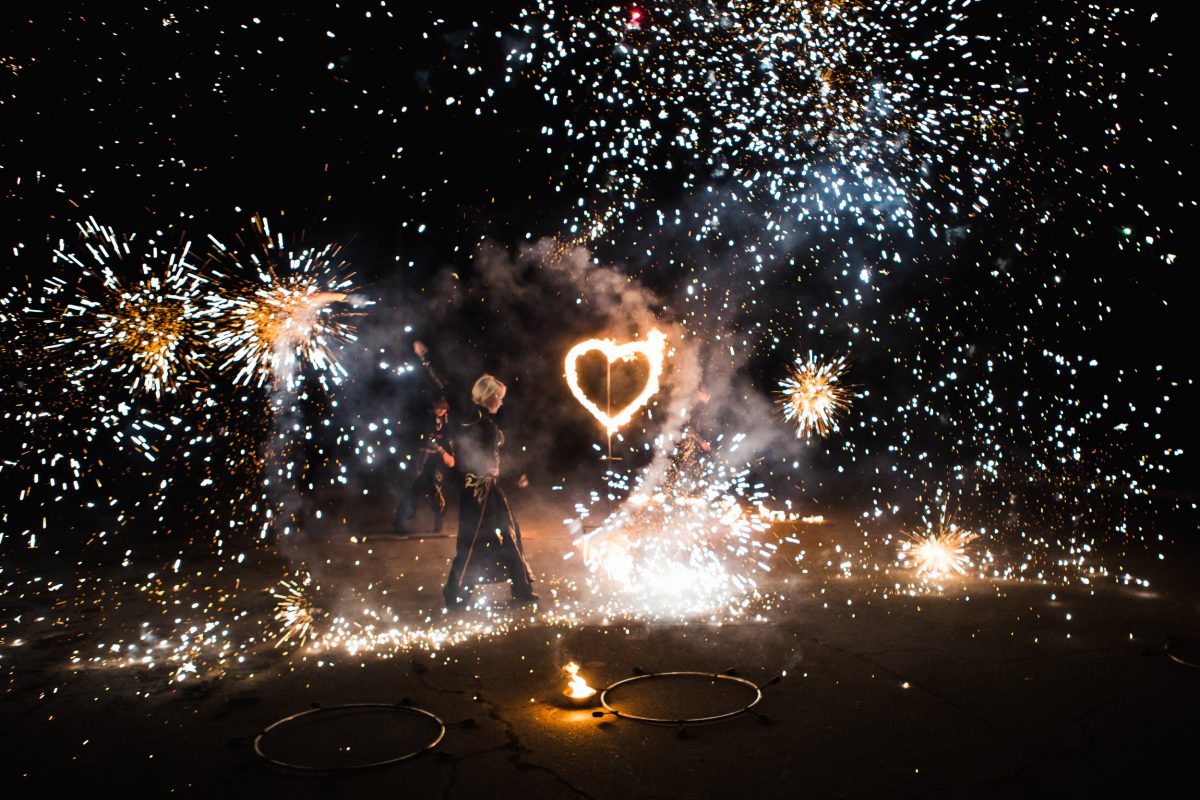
(654, 351)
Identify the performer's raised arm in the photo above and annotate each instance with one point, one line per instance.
(432, 460)
(422, 353)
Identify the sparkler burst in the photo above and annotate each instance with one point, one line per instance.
(938, 550)
(110, 343)
(813, 395)
(148, 321)
(823, 111)
(283, 318)
(295, 610)
(358, 619)
(118, 328)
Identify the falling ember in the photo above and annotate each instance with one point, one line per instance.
(577, 689)
(812, 397)
(939, 550)
(653, 349)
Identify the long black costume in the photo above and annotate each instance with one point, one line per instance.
(429, 473)
(488, 548)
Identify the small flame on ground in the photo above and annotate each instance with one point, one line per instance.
(577, 687)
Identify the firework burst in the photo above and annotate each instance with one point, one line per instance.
(285, 317)
(813, 395)
(149, 328)
(833, 112)
(938, 549)
(295, 609)
(98, 348)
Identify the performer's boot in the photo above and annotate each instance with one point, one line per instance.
(438, 519)
(456, 599)
(528, 596)
(520, 579)
(406, 509)
(522, 589)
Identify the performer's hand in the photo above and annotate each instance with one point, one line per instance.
(420, 349)
(448, 460)
(522, 481)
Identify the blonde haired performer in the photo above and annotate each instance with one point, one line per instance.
(489, 548)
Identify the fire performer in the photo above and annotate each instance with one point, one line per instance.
(435, 458)
(489, 547)
(686, 462)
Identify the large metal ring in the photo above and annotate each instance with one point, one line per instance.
(1184, 651)
(411, 710)
(686, 720)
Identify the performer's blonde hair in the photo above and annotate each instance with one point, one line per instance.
(486, 387)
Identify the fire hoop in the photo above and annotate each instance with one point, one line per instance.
(438, 728)
(1184, 651)
(711, 678)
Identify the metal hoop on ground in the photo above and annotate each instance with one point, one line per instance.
(1184, 651)
(402, 709)
(712, 676)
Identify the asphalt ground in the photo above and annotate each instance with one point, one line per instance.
(984, 689)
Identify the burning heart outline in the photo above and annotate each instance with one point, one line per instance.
(653, 347)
